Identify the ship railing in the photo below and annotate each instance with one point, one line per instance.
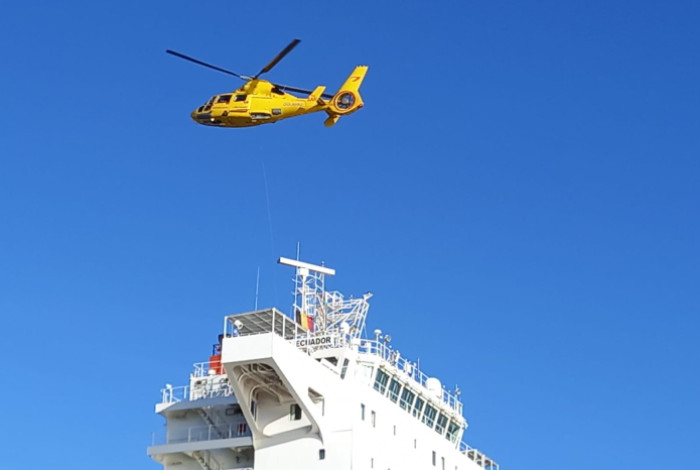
(207, 389)
(210, 387)
(407, 369)
(263, 321)
(174, 394)
(201, 433)
(272, 320)
(478, 457)
(202, 369)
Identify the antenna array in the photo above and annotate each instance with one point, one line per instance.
(330, 311)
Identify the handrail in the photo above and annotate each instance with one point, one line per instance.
(282, 325)
(478, 457)
(201, 433)
(172, 394)
(211, 387)
(407, 369)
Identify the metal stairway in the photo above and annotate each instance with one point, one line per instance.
(209, 417)
(206, 460)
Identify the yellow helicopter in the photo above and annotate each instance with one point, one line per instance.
(259, 101)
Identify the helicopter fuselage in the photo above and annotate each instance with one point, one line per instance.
(255, 103)
(260, 102)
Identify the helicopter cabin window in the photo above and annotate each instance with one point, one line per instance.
(240, 97)
(224, 99)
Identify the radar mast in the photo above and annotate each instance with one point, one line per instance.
(322, 311)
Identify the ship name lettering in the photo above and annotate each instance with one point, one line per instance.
(313, 341)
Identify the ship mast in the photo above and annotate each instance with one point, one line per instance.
(329, 312)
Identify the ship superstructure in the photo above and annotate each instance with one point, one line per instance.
(311, 391)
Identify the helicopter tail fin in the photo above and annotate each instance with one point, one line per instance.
(355, 79)
(348, 100)
(331, 120)
(317, 95)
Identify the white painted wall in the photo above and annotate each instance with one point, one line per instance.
(348, 441)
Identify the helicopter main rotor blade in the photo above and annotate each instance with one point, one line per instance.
(300, 90)
(199, 62)
(279, 57)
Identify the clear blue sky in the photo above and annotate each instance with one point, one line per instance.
(520, 192)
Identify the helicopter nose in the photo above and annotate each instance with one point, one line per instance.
(201, 116)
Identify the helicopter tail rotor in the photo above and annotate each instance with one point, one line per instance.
(347, 100)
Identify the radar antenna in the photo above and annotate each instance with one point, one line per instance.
(329, 312)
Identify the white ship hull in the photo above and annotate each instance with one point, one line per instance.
(281, 396)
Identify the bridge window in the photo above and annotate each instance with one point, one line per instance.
(362, 411)
(407, 397)
(441, 424)
(394, 388)
(452, 431)
(380, 381)
(418, 407)
(429, 416)
(321, 454)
